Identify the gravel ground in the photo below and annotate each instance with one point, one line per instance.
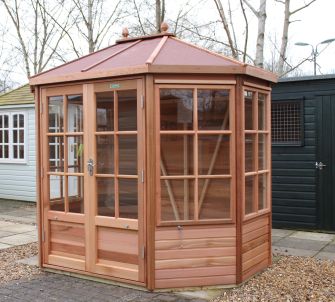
(10, 269)
(289, 279)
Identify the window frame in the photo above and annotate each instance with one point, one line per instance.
(230, 132)
(11, 143)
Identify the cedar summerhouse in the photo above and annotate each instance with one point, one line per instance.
(154, 165)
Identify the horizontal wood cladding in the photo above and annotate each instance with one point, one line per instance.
(195, 256)
(256, 246)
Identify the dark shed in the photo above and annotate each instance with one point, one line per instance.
(303, 156)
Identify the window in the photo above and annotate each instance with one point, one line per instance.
(195, 151)
(12, 137)
(287, 123)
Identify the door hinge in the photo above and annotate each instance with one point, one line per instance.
(142, 176)
(142, 101)
(142, 252)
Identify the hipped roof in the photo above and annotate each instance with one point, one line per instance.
(162, 53)
(18, 96)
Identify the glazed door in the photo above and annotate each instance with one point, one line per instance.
(116, 179)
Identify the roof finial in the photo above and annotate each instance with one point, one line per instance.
(125, 33)
(164, 27)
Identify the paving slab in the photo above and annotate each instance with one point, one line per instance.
(329, 248)
(18, 239)
(275, 238)
(293, 252)
(325, 256)
(313, 236)
(18, 228)
(5, 233)
(32, 261)
(297, 243)
(281, 233)
(5, 223)
(4, 246)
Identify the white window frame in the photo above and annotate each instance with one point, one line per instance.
(11, 159)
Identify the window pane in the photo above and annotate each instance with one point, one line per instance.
(127, 107)
(262, 189)
(56, 114)
(177, 155)
(57, 192)
(213, 109)
(56, 153)
(261, 111)
(177, 199)
(15, 151)
(75, 113)
(105, 111)
(75, 154)
(6, 121)
(6, 151)
(15, 120)
(249, 194)
(105, 154)
(214, 198)
(250, 161)
(128, 154)
(105, 197)
(21, 136)
(176, 109)
(1, 121)
(213, 154)
(6, 136)
(15, 137)
(262, 151)
(21, 120)
(128, 198)
(249, 110)
(21, 151)
(76, 194)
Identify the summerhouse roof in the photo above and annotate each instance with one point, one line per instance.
(18, 96)
(161, 53)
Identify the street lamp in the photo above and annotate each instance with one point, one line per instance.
(315, 52)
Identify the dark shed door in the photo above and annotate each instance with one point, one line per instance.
(326, 156)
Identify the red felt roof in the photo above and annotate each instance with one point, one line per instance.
(157, 53)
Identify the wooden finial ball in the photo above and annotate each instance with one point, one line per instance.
(125, 33)
(164, 27)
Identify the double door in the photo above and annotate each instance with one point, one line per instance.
(93, 178)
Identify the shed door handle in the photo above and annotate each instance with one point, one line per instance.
(90, 166)
(320, 165)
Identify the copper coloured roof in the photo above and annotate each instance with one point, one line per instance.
(161, 53)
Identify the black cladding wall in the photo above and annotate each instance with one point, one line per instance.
(294, 177)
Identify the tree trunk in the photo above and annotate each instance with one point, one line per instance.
(91, 46)
(284, 39)
(158, 16)
(259, 60)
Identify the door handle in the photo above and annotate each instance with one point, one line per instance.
(90, 166)
(320, 165)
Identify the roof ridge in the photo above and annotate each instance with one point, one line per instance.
(157, 50)
(10, 91)
(209, 51)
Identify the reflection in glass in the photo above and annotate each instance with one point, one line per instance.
(127, 108)
(128, 198)
(56, 114)
(176, 109)
(214, 198)
(262, 184)
(105, 154)
(56, 153)
(213, 155)
(176, 154)
(250, 141)
(249, 194)
(213, 109)
(75, 194)
(128, 154)
(57, 193)
(75, 113)
(262, 151)
(177, 199)
(248, 110)
(75, 154)
(105, 197)
(261, 111)
(105, 111)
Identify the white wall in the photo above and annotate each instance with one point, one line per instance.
(18, 181)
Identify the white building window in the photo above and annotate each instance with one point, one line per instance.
(13, 145)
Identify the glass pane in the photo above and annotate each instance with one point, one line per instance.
(57, 192)
(127, 107)
(105, 154)
(6, 121)
(105, 197)
(1, 150)
(75, 154)
(262, 184)
(1, 120)
(250, 161)
(213, 154)
(21, 151)
(21, 136)
(56, 114)
(177, 199)
(261, 111)
(177, 155)
(15, 140)
(21, 121)
(128, 198)
(6, 151)
(15, 120)
(6, 136)
(15, 151)
(262, 151)
(249, 110)
(176, 109)
(249, 194)
(56, 153)
(128, 154)
(76, 194)
(105, 111)
(75, 113)
(213, 109)
(214, 198)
